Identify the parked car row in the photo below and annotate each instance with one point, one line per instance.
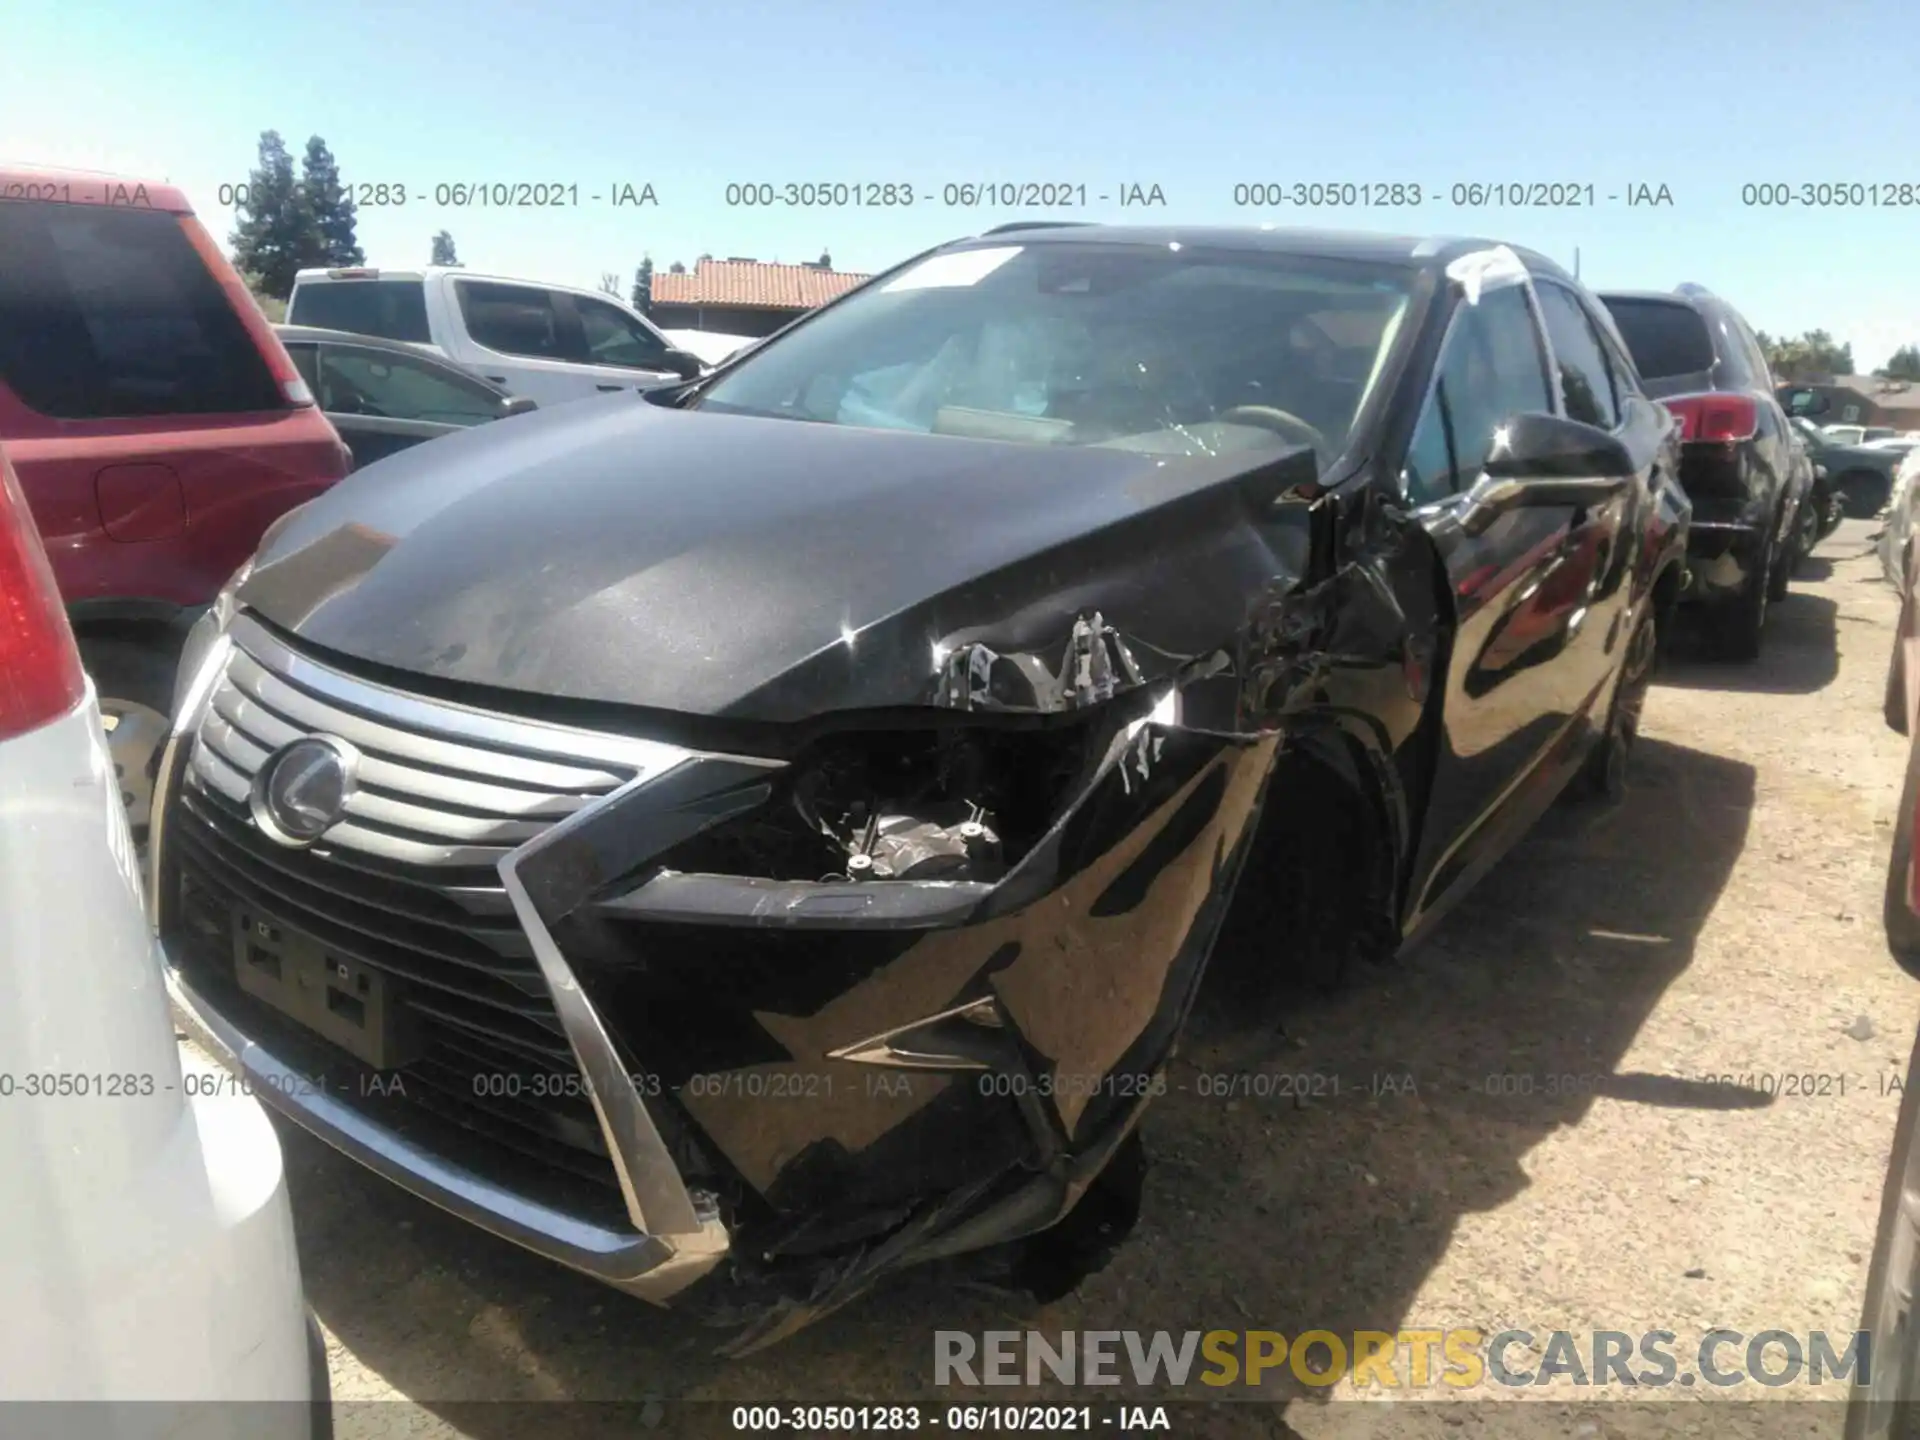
(899, 728)
(547, 342)
(1859, 475)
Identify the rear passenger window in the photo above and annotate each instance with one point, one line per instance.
(1665, 337)
(515, 320)
(112, 314)
(1626, 376)
(398, 387)
(1584, 380)
(392, 309)
(303, 361)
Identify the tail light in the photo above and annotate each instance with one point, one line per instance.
(1722, 418)
(279, 364)
(40, 674)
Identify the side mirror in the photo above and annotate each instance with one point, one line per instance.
(684, 363)
(517, 405)
(1808, 402)
(1540, 460)
(1537, 446)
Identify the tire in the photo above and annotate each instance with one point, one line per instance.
(1806, 535)
(1863, 493)
(1736, 625)
(1604, 775)
(1833, 508)
(134, 679)
(1781, 571)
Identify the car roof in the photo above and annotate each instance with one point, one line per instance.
(314, 335)
(1417, 252)
(1671, 297)
(20, 181)
(352, 274)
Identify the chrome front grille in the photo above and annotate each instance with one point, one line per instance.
(407, 883)
(440, 785)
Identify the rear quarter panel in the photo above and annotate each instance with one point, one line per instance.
(237, 475)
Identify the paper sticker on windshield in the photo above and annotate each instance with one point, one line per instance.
(960, 267)
(1487, 270)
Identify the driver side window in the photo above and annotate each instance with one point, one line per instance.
(1490, 370)
(615, 338)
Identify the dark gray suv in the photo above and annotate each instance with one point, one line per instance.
(1741, 464)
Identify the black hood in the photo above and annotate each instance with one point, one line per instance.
(709, 564)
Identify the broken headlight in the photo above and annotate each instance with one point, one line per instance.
(945, 802)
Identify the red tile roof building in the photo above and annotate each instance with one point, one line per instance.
(743, 297)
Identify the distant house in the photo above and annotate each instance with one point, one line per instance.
(744, 297)
(1865, 400)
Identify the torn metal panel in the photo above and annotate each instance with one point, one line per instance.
(1095, 664)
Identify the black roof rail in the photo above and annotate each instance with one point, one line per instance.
(1036, 225)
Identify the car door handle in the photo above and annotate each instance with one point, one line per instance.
(609, 387)
(496, 379)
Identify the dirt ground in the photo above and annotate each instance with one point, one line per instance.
(1525, 1135)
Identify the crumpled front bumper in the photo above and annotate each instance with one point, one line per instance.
(653, 1267)
(1086, 954)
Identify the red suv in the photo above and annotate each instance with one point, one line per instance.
(155, 422)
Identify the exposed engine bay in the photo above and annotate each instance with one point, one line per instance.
(941, 803)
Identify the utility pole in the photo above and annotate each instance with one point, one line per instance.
(1576, 262)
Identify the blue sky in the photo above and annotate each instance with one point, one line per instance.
(1194, 97)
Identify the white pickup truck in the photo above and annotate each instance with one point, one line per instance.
(549, 342)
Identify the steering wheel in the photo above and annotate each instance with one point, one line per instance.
(1283, 422)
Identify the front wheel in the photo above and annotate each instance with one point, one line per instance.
(135, 684)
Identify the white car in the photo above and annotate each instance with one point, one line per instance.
(551, 343)
(1897, 521)
(147, 1250)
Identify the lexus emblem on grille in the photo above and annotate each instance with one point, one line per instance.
(303, 788)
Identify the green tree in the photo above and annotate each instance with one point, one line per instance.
(274, 236)
(1806, 356)
(274, 310)
(643, 286)
(1904, 365)
(329, 204)
(443, 253)
(676, 268)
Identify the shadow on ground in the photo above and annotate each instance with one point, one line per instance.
(1261, 1211)
(1799, 652)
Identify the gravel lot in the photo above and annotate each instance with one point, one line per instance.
(1724, 921)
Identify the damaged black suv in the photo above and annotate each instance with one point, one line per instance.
(747, 838)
